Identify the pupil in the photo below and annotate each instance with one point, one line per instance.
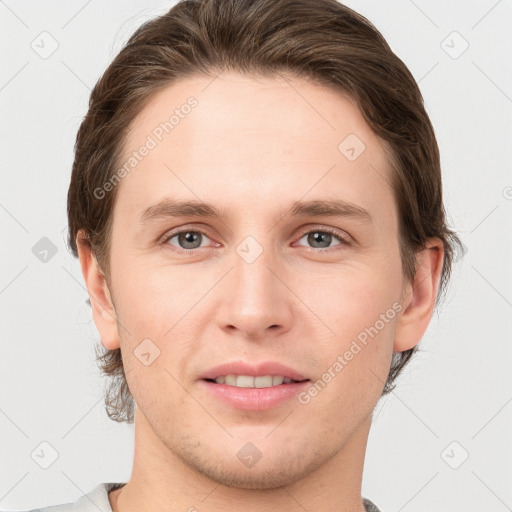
(320, 237)
(187, 238)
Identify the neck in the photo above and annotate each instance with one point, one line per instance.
(161, 479)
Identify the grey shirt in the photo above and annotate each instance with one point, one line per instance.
(97, 500)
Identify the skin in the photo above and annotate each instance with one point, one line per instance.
(253, 145)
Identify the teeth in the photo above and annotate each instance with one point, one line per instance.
(248, 381)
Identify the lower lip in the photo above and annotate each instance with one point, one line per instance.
(254, 399)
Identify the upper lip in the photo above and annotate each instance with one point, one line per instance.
(243, 368)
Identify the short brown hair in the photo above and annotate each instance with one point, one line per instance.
(322, 41)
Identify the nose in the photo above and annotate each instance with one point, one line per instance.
(256, 299)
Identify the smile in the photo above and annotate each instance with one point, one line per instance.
(248, 381)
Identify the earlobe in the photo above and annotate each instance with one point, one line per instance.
(103, 312)
(420, 297)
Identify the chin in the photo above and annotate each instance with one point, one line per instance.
(247, 479)
(272, 473)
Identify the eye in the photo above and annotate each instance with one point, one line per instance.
(322, 238)
(187, 239)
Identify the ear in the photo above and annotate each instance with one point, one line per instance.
(103, 311)
(419, 297)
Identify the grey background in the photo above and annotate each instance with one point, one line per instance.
(458, 389)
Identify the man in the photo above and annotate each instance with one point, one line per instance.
(256, 204)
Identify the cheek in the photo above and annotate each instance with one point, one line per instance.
(348, 300)
(152, 297)
(351, 373)
(354, 343)
(159, 323)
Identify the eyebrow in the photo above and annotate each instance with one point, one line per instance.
(315, 208)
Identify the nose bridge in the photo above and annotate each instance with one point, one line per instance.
(253, 279)
(255, 251)
(256, 298)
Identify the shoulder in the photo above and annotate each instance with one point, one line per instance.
(95, 500)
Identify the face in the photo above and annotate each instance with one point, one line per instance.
(258, 282)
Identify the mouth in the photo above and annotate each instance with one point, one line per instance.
(255, 387)
(249, 381)
(253, 393)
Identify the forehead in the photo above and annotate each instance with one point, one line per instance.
(247, 138)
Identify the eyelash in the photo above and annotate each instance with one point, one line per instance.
(343, 239)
